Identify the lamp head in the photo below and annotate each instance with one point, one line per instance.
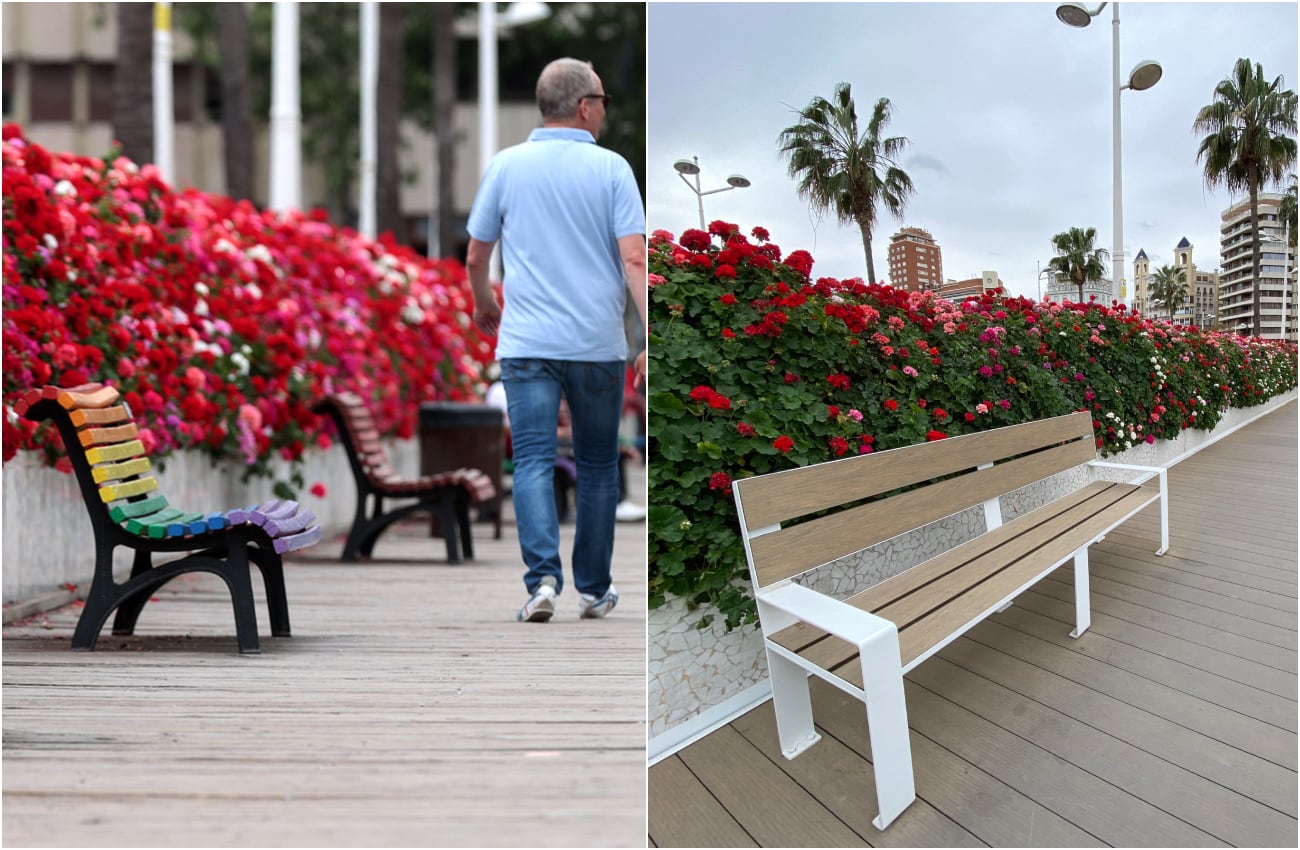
(686, 166)
(738, 181)
(1074, 14)
(1144, 75)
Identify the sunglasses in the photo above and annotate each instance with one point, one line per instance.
(603, 98)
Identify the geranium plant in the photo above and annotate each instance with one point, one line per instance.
(220, 323)
(757, 366)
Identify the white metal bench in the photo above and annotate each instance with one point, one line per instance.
(866, 643)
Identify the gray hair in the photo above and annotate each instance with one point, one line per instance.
(561, 85)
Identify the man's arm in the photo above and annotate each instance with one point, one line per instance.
(487, 312)
(632, 250)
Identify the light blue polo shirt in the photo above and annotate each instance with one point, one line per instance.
(559, 204)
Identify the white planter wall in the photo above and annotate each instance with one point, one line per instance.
(47, 538)
(699, 679)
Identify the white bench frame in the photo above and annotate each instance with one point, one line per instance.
(785, 603)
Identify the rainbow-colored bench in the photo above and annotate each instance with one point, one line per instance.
(126, 509)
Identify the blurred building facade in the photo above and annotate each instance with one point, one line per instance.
(1237, 284)
(1199, 307)
(58, 61)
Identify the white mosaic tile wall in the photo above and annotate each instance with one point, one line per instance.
(691, 670)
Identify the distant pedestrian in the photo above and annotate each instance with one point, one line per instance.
(572, 227)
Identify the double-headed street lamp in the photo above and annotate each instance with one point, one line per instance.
(692, 166)
(1143, 76)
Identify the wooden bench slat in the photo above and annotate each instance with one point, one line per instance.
(101, 436)
(297, 541)
(102, 397)
(102, 454)
(185, 524)
(113, 492)
(799, 637)
(141, 525)
(794, 550)
(791, 493)
(118, 471)
(129, 510)
(100, 416)
(290, 525)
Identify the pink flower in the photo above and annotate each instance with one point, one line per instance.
(981, 408)
(855, 415)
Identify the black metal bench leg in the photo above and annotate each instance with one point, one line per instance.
(128, 612)
(353, 546)
(277, 601)
(466, 534)
(446, 512)
(100, 600)
(238, 575)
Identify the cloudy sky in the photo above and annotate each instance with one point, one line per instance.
(1008, 112)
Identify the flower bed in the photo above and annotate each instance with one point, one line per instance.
(220, 323)
(757, 367)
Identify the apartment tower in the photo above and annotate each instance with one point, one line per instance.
(915, 261)
(1236, 281)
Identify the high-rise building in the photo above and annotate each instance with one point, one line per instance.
(915, 261)
(1199, 306)
(1236, 280)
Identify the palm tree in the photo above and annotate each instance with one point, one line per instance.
(233, 39)
(852, 173)
(1286, 211)
(1169, 287)
(1248, 143)
(388, 120)
(133, 82)
(444, 103)
(1077, 258)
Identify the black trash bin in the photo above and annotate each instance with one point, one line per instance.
(455, 434)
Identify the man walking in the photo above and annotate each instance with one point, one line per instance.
(572, 227)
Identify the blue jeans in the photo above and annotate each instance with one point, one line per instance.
(594, 392)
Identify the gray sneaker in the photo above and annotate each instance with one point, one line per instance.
(592, 607)
(541, 605)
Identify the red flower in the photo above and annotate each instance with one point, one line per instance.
(727, 298)
(940, 413)
(783, 444)
(725, 271)
(970, 417)
(318, 490)
(837, 380)
(745, 429)
(839, 445)
(695, 240)
(720, 402)
(702, 393)
(891, 405)
(832, 411)
(719, 481)
(761, 234)
(932, 435)
(728, 333)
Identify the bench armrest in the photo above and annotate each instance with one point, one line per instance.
(1152, 471)
(854, 625)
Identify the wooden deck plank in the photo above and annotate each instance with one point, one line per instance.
(978, 802)
(768, 804)
(1018, 632)
(842, 780)
(408, 709)
(684, 814)
(1100, 808)
(1254, 778)
(1171, 722)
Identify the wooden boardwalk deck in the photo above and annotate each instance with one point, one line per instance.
(409, 709)
(1171, 722)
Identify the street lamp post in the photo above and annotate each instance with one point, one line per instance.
(1143, 76)
(692, 166)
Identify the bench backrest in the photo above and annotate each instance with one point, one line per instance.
(957, 473)
(360, 434)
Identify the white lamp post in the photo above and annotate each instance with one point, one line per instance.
(162, 91)
(1143, 76)
(515, 15)
(692, 166)
(286, 115)
(369, 127)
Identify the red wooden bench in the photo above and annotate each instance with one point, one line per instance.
(126, 509)
(447, 495)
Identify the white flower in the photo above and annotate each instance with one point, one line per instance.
(201, 308)
(259, 252)
(51, 242)
(65, 189)
(254, 291)
(224, 246)
(201, 289)
(411, 313)
(240, 361)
